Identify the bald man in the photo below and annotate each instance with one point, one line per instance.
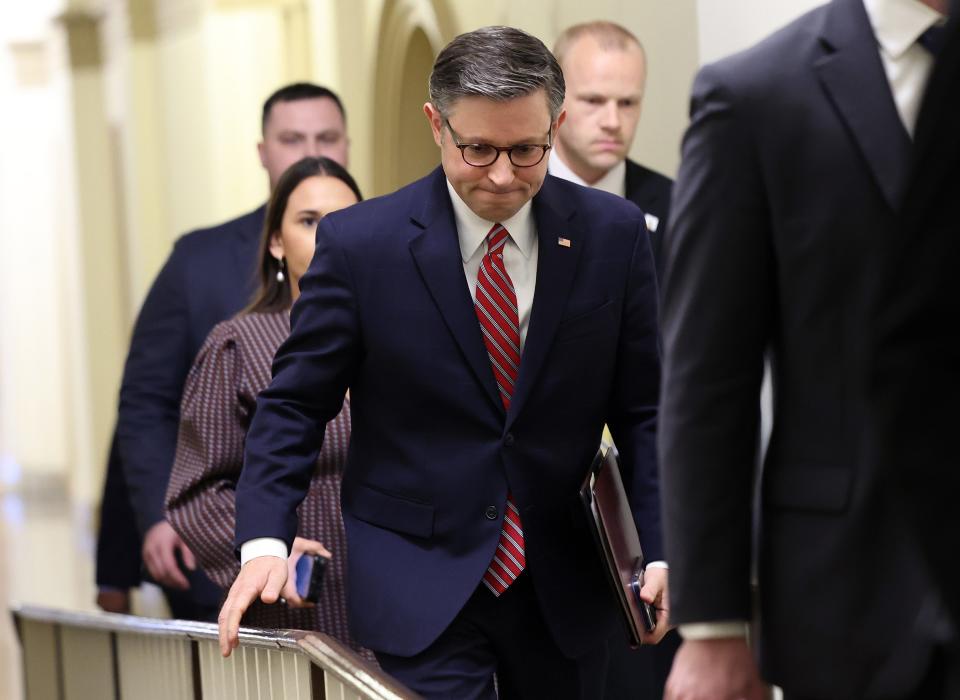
(605, 69)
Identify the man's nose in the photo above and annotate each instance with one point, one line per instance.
(501, 170)
(610, 115)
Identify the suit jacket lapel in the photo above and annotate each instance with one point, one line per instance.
(436, 251)
(852, 74)
(556, 268)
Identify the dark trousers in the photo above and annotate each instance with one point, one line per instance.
(506, 636)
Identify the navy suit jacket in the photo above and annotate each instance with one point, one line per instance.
(386, 312)
(209, 277)
(792, 174)
(650, 191)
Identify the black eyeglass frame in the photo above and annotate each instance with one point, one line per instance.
(508, 149)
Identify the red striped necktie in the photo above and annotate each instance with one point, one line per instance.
(496, 306)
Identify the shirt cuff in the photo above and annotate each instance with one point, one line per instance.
(262, 547)
(713, 630)
(657, 565)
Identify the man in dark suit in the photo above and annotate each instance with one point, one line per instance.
(915, 358)
(605, 68)
(209, 277)
(487, 320)
(792, 172)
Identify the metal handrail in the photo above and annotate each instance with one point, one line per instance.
(321, 650)
(186, 629)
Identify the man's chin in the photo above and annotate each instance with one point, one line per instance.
(605, 160)
(496, 214)
(497, 207)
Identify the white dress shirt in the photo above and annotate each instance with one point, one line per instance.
(897, 24)
(613, 181)
(520, 253)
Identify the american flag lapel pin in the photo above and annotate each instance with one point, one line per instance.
(563, 242)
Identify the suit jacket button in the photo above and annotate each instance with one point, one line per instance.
(491, 512)
(508, 440)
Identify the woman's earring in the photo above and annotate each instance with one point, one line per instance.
(280, 276)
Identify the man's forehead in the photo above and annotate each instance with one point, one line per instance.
(587, 53)
(477, 109)
(311, 113)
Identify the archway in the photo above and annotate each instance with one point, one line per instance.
(418, 154)
(411, 34)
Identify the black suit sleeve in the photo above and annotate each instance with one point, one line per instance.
(718, 296)
(153, 378)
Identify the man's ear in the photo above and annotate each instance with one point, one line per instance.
(436, 122)
(560, 119)
(262, 152)
(276, 246)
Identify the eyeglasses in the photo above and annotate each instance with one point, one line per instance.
(480, 155)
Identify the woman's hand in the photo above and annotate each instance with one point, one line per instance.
(300, 547)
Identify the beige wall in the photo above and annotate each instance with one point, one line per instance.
(33, 370)
(726, 26)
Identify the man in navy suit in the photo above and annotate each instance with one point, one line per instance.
(209, 277)
(487, 321)
(605, 68)
(793, 175)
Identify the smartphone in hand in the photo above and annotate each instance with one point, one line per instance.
(309, 570)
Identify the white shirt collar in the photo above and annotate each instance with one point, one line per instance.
(472, 230)
(613, 181)
(898, 24)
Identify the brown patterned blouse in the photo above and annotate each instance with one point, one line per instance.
(232, 367)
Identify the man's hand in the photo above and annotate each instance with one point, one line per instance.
(160, 545)
(655, 593)
(714, 669)
(262, 576)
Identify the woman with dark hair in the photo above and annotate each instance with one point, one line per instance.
(219, 397)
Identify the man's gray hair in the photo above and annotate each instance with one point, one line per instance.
(499, 63)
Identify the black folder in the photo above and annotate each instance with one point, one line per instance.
(615, 532)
